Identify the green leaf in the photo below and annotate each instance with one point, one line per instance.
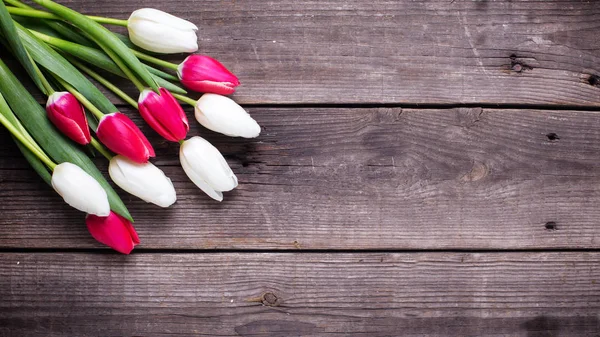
(99, 59)
(125, 40)
(35, 24)
(35, 163)
(103, 36)
(162, 74)
(55, 63)
(6, 111)
(57, 146)
(68, 32)
(60, 27)
(9, 31)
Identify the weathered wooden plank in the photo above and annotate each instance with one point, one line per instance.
(396, 51)
(462, 294)
(320, 178)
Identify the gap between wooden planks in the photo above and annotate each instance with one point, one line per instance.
(373, 178)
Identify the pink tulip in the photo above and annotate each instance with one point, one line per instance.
(114, 231)
(163, 114)
(205, 74)
(123, 137)
(66, 113)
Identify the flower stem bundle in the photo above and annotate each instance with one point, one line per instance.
(60, 50)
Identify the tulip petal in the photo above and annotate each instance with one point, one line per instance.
(161, 38)
(158, 16)
(135, 130)
(145, 181)
(206, 167)
(113, 231)
(122, 136)
(164, 114)
(79, 189)
(210, 87)
(148, 110)
(69, 128)
(200, 182)
(134, 235)
(204, 74)
(66, 113)
(222, 114)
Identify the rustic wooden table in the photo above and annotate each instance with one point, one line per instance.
(425, 168)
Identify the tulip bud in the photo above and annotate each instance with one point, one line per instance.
(145, 181)
(66, 113)
(221, 114)
(164, 114)
(122, 136)
(205, 74)
(206, 167)
(114, 231)
(79, 189)
(161, 32)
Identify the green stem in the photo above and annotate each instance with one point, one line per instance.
(34, 13)
(109, 21)
(130, 75)
(86, 103)
(115, 58)
(13, 130)
(184, 99)
(157, 61)
(104, 82)
(47, 38)
(43, 79)
(5, 109)
(104, 38)
(81, 52)
(17, 3)
(100, 148)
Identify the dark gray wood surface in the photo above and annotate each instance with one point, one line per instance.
(270, 294)
(426, 168)
(444, 51)
(376, 178)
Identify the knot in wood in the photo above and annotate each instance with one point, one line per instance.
(478, 172)
(270, 299)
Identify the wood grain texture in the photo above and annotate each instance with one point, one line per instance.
(433, 294)
(373, 178)
(531, 52)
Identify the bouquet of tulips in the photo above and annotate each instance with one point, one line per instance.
(59, 49)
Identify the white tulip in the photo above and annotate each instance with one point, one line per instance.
(206, 167)
(145, 181)
(161, 32)
(79, 189)
(222, 114)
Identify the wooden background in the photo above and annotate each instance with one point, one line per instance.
(425, 168)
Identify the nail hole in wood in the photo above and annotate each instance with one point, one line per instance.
(594, 80)
(518, 66)
(551, 226)
(552, 137)
(245, 164)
